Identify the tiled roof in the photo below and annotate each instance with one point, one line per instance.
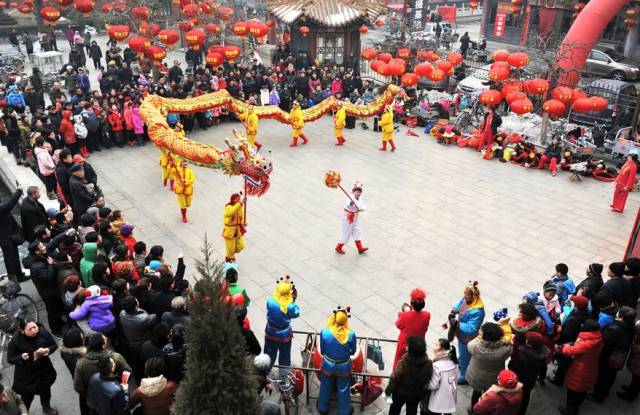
(326, 12)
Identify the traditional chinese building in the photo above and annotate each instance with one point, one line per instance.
(332, 25)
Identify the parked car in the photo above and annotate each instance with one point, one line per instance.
(475, 83)
(606, 62)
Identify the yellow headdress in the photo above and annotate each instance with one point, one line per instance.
(283, 293)
(338, 324)
(477, 301)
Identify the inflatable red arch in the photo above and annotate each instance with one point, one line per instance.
(582, 36)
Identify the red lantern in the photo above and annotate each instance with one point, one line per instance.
(231, 53)
(304, 30)
(169, 37)
(363, 29)
(455, 58)
(191, 10)
(436, 75)
(498, 74)
(149, 29)
(206, 9)
(473, 4)
(118, 32)
(431, 56)
(444, 65)
(509, 89)
(404, 53)
(225, 13)
(270, 23)
(385, 57)
(13, 4)
(156, 53)
(518, 60)
(214, 59)
(240, 29)
(3, 4)
(583, 105)
(258, 29)
(63, 3)
(195, 38)
(141, 12)
(395, 68)
(409, 79)
(212, 28)
(139, 44)
(50, 14)
(562, 94)
(521, 106)
(538, 86)
(379, 23)
(25, 8)
(490, 97)
(513, 96)
(501, 55)
(84, 6)
(554, 107)
(501, 64)
(107, 8)
(375, 65)
(599, 104)
(368, 54)
(577, 94)
(185, 26)
(423, 69)
(216, 48)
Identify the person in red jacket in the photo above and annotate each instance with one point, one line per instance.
(126, 236)
(501, 399)
(624, 183)
(128, 124)
(412, 321)
(115, 121)
(68, 132)
(583, 371)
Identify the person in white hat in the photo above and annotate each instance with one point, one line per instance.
(353, 206)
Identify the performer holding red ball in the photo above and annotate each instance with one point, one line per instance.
(353, 206)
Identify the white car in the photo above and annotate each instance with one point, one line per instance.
(475, 83)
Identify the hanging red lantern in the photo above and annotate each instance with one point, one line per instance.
(577, 94)
(304, 30)
(554, 107)
(216, 49)
(423, 69)
(500, 64)
(379, 23)
(363, 29)
(141, 12)
(562, 94)
(156, 53)
(490, 97)
(212, 28)
(185, 26)
(599, 104)
(63, 3)
(118, 32)
(84, 6)
(501, 55)
(404, 53)
(384, 57)
(195, 38)
(498, 74)
(538, 86)
(583, 105)
(518, 60)
(509, 89)
(207, 9)
(149, 29)
(455, 58)
(191, 10)
(473, 4)
(3, 4)
(50, 14)
(444, 65)
(258, 30)
(431, 56)
(375, 64)
(368, 54)
(521, 106)
(409, 79)
(514, 96)
(225, 13)
(270, 23)
(169, 37)
(139, 44)
(395, 68)
(231, 53)
(437, 75)
(214, 59)
(240, 29)
(107, 8)
(25, 8)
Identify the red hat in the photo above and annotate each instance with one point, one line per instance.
(580, 301)
(534, 339)
(418, 295)
(77, 159)
(507, 379)
(235, 198)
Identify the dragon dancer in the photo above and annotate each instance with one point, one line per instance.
(386, 124)
(184, 188)
(340, 121)
(353, 206)
(281, 309)
(297, 122)
(168, 164)
(234, 226)
(250, 119)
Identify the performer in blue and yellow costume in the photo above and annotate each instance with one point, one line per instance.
(470, 315)
(337, 344)
(281, 308)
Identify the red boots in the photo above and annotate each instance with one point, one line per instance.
(164, 183)
(84, 152)
(341, 141)
(171, 184)
(294, 143)
(393, 145)
(184, 214)
(384, 146)
(339, 249)
(304, 139)
(361, 249)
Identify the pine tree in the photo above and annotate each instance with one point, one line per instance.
(218, 376)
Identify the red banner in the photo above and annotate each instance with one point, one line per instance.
(498, 26)
(448, 13)
(633, 247)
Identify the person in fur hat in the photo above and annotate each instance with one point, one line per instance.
(353, 206)
(412, 321)
(503, 398)
(234, 226)
(386, 124)
(97, 309)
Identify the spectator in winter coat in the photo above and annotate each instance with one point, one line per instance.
(15, 99)
(566, 286)
(46, 167)
(570, 329)
(155, 393)
(616, 339)
(136, 325)
(178, 313)
(8, 228)
(81, 132)
(175, 353)
(604, 308)
(89, 256)
(336, 87)
(115, 121)
(530, 361)
(619, 287)
(90, 175)
(442, 386)
(535, 300)
(593, 283)
(126, 236)
(32, 213)
(501, 399)
(583, 371)
(97, 310)
(154, 347)
(68, 132)
(632, 390)
(106, 395)
(407, 385)
(72, 349)
(62, 176)
(81, 196)
(128, 123)
(138, 125)
(412, 321)
(528, 320)
(251, 346)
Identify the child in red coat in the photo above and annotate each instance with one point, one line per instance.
(126, 236)
(412, 321)
(501, 399)
(115, 121)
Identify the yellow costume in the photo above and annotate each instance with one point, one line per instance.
(386, 124)
(167, 162)
(339, 123)
(184, 189)
(233, 220)
(250, 119)
(297, 122)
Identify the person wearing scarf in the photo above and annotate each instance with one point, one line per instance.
(184, 188)
(470, 312)
(233, 220)
(353, 206)
(281, 308)
(337, 344)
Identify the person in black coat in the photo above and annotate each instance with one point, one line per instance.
(160, 301)
(530, 360)
(10, 235)
(617, 338)
(29, 351)
(72, 348)
(175, 353)
(155, 346)
(81, 197)
(593, 283)
(620, 288)
(633, 275)
(252, 346)
(32, 213)
(62, 176)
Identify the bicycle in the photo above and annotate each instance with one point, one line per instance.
(470, 116)
(13, 307)
(284, 380)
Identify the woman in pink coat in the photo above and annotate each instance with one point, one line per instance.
(128, 123)
(336, 86)
(138, 125)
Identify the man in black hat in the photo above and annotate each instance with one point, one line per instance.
(620, 288)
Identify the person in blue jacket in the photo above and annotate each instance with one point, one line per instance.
(466, 318)
(337, 344)
(534, 299)
(281, 308)
(566, 286)
(15, 99)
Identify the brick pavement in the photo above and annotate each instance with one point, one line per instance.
(436, 218)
